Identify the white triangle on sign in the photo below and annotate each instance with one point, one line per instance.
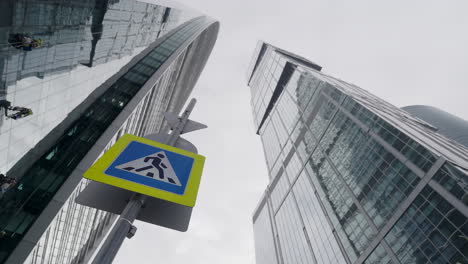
(155, 166)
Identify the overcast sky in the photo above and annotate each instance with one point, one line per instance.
(406, 52)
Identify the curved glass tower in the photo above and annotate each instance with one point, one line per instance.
(447, 124)
(127, 62)
(353, 179)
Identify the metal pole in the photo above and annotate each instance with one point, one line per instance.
(124, 226)
(121, 229)
(183, 120)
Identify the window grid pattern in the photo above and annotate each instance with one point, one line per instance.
(350, 223)
(378, 180)
(271, 144)
(45, 177)
(82, 238)
(53, 79)
(322, 239)
(379, 256)
(454, 181)
(412, 150)
(69, 36)
(295, 247)
(430, 231)
(279, 191)
(265, 252)
(358, 183)
(264, 81)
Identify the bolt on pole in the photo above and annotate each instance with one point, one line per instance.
(124, 226)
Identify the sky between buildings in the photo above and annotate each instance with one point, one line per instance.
(406, 52)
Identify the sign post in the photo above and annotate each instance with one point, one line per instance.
(157, 175)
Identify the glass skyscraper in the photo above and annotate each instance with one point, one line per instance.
(353, 179)
(447, 124)
(104, 68)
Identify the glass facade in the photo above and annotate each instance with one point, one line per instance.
(353, 179)
(67, 65)
(446, 124)
(102, 46)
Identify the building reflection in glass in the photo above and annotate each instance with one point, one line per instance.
(53, 55)
(79, 38)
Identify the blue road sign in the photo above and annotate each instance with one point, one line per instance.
(152, 166)
(148, 167)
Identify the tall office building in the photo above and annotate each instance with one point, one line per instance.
(353, 179)
(104, 68)
(446, 124)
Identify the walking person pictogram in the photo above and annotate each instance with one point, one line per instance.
(156, 163)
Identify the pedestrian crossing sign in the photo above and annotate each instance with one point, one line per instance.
(151, 168)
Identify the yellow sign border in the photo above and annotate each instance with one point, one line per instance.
(96, 172)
